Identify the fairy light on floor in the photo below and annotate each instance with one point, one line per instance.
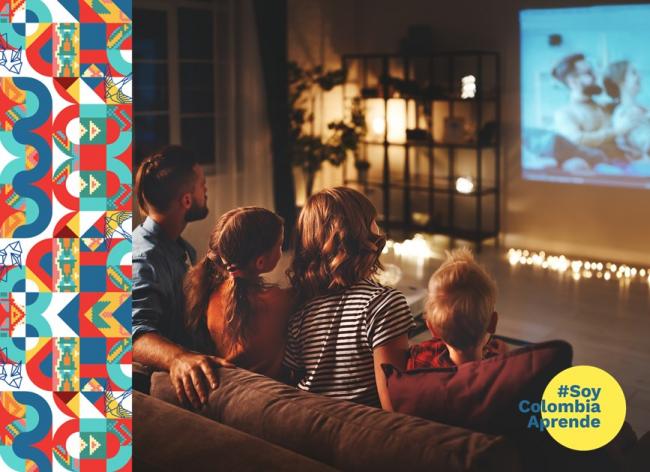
(418, 247)
(577, 268)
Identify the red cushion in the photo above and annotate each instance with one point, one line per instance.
(482, 395)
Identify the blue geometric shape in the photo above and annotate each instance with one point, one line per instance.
(72, 6)
(46, 366)
(92, 278)
(46, 52)
(92, 36)
(92, 350)
(123, 314)
(46, 263)
(70, 314)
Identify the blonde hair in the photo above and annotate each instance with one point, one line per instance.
(462, 297)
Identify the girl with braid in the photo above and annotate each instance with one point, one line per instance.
(231, 312)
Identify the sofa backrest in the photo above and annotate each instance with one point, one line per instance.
(343, 434)
(167, 438)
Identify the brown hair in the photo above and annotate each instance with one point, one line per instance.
(334, 246)
(462, 296)
(614, 78)
(566, 67)
(163, 176)
(239, 238)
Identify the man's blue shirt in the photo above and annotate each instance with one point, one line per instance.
(159, 267)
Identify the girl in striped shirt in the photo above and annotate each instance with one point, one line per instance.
(348, 324)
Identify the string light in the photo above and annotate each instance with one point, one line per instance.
(418, 247)
(577, 268)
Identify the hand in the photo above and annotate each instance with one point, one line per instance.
(191, 374)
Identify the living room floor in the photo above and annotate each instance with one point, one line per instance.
(606, 321)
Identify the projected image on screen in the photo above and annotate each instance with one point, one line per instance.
(585, 95)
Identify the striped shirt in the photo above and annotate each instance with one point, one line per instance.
(332, 337)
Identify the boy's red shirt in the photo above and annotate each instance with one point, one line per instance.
(434, 353)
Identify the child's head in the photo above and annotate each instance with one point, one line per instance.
(337, 242)
(245, 243)
(462, 298)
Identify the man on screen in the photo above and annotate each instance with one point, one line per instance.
(582, 120)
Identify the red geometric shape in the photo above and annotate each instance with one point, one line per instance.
(93, 157)
(62, 86)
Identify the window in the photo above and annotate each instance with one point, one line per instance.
(174, 63)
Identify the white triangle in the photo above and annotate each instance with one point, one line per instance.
(87, 96)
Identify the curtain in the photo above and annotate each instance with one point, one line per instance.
(244, 163)
(271, 20)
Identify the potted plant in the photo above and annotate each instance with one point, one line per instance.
(308, 149)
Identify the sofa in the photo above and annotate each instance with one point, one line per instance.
(252, 422)
(334, 433)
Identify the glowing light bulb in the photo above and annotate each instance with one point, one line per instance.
(464, 185)
(607, 276)
(468, 87)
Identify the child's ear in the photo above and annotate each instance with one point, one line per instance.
(492, 326)
(431, 330)
(260, 262)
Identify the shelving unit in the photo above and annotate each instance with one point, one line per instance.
(413, 181)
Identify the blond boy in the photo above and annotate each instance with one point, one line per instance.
(460, 313)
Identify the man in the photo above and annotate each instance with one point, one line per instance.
(170, 188)
(582, 120)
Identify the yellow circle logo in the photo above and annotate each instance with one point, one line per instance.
(583, 408)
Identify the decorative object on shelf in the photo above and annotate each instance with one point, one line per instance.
(455, 130)
(433, 141)
(487, 135)
(416, 134)
(577, 268)
(308, 149)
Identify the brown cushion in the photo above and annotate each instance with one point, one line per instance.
(343, 434)
(166, 438)
(482, 395)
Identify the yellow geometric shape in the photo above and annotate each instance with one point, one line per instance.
(104, 320)
(12, 407)
(82, 184)
(74, 90)
(31, 157)
(93, 71)
(94, 130)
(94, 444)
(82, 445)
(93, 386)
(92, 243)
(114, 15)
(8, 227)
(94, 184)
(74, 224)
(82, 130)
(75, 404)
(31, 277)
